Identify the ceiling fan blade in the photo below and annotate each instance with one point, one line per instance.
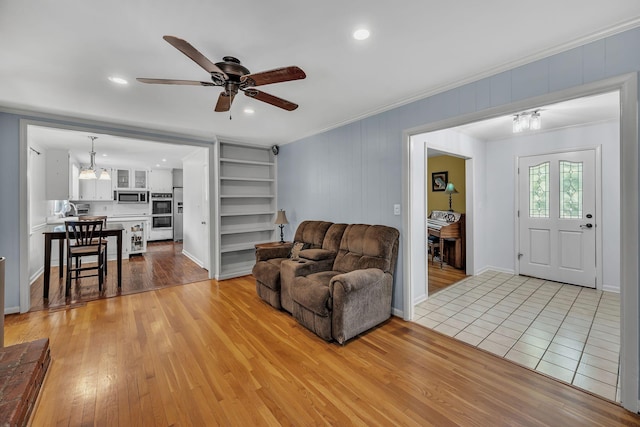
(271, 99)
(174, 82)
(224, 102)
(193, 53)
(278, 75)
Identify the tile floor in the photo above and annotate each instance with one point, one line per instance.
(568, 332)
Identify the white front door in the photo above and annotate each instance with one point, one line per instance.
(557, 217)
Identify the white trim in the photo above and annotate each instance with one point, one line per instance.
(496, 269)
(397, 313)
(610, 288)
(419, 299)
(192, 258)
(629, 244)
(12, 310)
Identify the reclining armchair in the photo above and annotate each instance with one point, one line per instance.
(267, 268)
(354, 293)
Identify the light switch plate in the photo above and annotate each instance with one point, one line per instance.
(396, 209)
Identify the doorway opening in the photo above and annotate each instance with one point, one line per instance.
(478, 256)
(152, 167)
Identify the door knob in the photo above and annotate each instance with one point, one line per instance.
(589, 225)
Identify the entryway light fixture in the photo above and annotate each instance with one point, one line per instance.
(92, 172)
(526, 120)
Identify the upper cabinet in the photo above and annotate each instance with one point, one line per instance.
(129, 179)
(161, 180)
(95, 190)
(61, 176)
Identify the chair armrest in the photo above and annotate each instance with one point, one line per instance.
(304, 267)
(361, 299)
(267, 253)
(356, 279)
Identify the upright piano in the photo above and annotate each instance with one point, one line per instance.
(449, 227)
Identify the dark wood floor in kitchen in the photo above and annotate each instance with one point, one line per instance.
(162, 265)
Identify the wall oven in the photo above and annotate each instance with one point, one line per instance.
(161, 222)
(161, 206)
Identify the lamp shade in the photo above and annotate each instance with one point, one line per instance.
(451, 189)
(281, 218)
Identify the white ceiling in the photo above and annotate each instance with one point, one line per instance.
(576, 112)
(57, 55)
(111, 151)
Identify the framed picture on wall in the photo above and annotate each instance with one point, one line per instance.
(439, 181)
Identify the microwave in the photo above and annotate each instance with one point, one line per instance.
(131, 196)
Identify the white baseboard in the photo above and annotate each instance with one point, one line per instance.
(498, 269)
(11, 310)
(398, 313)
(35, 275)
(419, 299)
(611, 288)
(193, 258)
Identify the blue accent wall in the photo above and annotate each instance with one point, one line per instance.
(353, 173)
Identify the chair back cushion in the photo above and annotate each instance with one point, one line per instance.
(312, 232)
(333, 237)
(367, 246)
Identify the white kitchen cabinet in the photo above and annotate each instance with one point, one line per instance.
(134, 238)
(130, 179)
(246, 206)
(161, 180)
(95, 190)
(60, 170)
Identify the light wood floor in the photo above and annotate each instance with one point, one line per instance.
(162, 265)
(213, 353)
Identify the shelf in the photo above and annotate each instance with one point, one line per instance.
(246, 162)
(238, 230)
(242, 246)
(247, 196)
(248, 213)
(246, 205)
(237, 178)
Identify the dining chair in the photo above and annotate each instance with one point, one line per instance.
(105, 241)
(84, 238)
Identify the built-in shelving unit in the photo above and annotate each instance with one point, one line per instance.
(246, 205)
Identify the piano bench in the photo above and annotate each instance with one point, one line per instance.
(433, 245)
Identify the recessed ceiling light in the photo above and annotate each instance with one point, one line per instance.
(164, 160)
(157, 166)
(104, 154)
(118, 80)
(361, 34)
(249, 110)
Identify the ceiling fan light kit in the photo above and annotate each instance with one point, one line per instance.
(231, 75)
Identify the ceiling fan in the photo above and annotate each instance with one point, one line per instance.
(233, 76)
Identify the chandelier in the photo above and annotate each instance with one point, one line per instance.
(92, 172)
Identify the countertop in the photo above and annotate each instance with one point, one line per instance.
(114, 218)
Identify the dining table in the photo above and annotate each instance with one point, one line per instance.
(58, 233)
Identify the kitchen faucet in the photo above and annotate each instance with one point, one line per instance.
(75, 209)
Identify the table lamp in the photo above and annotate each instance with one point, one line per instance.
(281, 220)
(451, 189)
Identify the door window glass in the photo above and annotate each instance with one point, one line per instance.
(539, 191)
(570, 189)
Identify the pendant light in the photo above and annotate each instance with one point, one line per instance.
(91, 172)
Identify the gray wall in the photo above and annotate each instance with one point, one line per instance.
(353, 173)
